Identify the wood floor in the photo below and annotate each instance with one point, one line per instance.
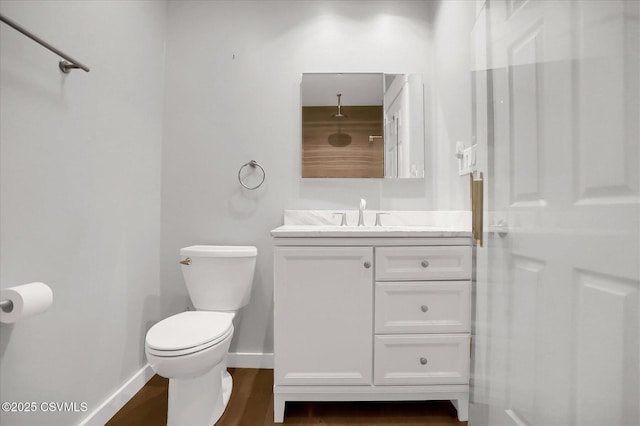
(251, 404)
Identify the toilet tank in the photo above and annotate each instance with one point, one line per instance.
(218, 278)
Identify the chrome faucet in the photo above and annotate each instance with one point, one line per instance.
(344, 218)
(363, 204)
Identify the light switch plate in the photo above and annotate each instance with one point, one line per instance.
(467, 162)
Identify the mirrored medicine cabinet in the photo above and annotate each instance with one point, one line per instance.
(362, 125)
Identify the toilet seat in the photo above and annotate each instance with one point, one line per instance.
(219, 251)
(188, 332)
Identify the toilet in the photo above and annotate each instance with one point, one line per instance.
(190, 348)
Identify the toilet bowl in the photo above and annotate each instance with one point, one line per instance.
(189, 344)
(190, 348)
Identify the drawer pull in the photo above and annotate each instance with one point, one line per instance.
(423, 361)
(425, 263)
(424, 308)
(367, 264)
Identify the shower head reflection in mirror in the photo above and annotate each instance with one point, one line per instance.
(362, 125)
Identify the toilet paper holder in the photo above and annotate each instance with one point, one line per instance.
(23, 301)
(6, 305)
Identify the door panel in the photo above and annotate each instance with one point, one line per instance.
(524, 89)
(525, 289)
(562, 288)
(607, 331)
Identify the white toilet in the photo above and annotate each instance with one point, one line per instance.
(190, 348)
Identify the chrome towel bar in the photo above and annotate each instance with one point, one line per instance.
(66, 65)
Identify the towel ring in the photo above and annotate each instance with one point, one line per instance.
(253, 164)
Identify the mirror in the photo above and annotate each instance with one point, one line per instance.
(362, 125)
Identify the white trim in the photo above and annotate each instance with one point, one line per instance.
(371, 393)
(249, 360)
(115, 402)
(458, 393)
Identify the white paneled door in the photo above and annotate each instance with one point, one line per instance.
(558, 284)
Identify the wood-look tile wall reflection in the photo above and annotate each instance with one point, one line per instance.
(334, 147)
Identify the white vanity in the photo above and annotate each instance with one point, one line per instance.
(372, 313)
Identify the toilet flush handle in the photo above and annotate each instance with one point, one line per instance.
(187, 261)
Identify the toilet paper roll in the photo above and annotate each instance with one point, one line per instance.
(28, 300)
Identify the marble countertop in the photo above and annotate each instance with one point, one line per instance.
(325, 223)
(333, 231)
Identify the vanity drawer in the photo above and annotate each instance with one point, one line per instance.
(413, 359)
(423, 263)
(422, 307)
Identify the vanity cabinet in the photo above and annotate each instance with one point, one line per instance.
(372, 319)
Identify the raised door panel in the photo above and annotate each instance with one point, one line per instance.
(527, 277)
(605, 150)
(422, 307)
(323, 315)
(526, 133)
(607, 349)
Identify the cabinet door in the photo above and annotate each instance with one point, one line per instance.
(323, 315)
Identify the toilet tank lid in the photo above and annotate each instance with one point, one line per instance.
(219, 251)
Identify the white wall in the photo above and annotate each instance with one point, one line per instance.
(452, 101)
(233, 75)
(80, 198)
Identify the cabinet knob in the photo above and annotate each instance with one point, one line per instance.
(423, 361)
(425, 263)
(367, 264)
(424, 308)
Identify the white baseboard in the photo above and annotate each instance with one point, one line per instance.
(115, 402)
(249, 360)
